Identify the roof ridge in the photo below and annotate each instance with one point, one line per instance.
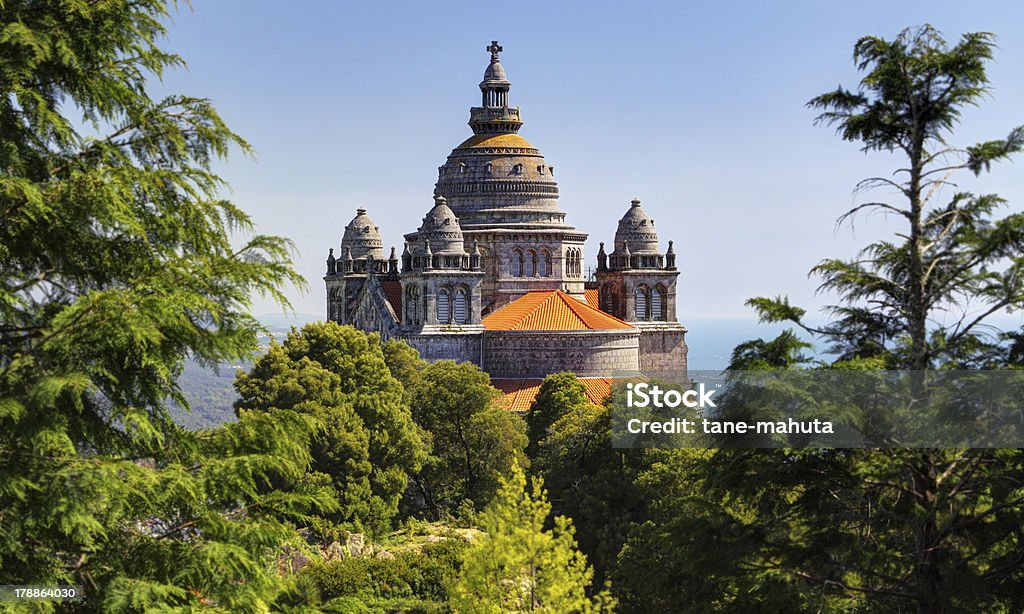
(551, 310)
(586, 307)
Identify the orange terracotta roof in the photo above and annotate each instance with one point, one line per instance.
(592, 297)
(519, 394)
(393, 292)
(598, 388)
(550, 310)
(496, 140)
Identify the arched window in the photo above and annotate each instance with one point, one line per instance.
(529, 262)
(517, 263)
(641, 303)
(544, 263)
(658, 303)
(461, 306)
(444, 306)
(608, 298)
(574, 266)
(412, 305)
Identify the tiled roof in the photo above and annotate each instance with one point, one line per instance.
(393, 292)
(496, 140)
(592, 297)
(550, 310)
(598, 388)
(519, 394)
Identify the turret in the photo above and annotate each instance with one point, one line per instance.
(393, 263)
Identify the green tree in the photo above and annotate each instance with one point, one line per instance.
(871, 530)
(405, 365)
(369, 444)
(593, 483)
(120, 259)
(559, 394)
(475, 443)
(518, 565)
(340, 450)
(588, 480)
(949, 256)
(828, 530)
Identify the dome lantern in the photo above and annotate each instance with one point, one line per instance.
(494, 116)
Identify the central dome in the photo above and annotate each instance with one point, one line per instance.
(497, 178)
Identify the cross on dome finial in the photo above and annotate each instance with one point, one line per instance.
(495, 49)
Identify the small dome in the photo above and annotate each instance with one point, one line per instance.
(495, 72)
(442, 229)
(638, 228)
(362, 236)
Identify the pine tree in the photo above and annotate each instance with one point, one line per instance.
(119, 259)
(518, 565)
(951, 258)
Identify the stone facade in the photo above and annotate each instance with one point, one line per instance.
(494, 233)
(514, 354)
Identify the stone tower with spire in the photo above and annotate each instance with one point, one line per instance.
(637, 283)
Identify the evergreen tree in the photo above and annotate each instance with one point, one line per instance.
(951, 257)
(559, 394)
(369, 444)
(869, 530)
(120, 259)
(593, 483)
(475, 443)
(518, 565)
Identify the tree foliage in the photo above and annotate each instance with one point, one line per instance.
(369, 444)
(951, 256)
(518, 565)
(475, 443)
(559, 394)
(588, 480)
(828, 530)
(120, 259)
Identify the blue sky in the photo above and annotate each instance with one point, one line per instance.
(696, 108)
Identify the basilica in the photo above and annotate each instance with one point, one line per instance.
(495, 275)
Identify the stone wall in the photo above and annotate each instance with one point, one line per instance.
(663, 349)
(460, 344)
(521, 354)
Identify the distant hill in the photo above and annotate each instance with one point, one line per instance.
(285, 321)
(210, 393)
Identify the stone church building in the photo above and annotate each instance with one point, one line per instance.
(494, 274)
